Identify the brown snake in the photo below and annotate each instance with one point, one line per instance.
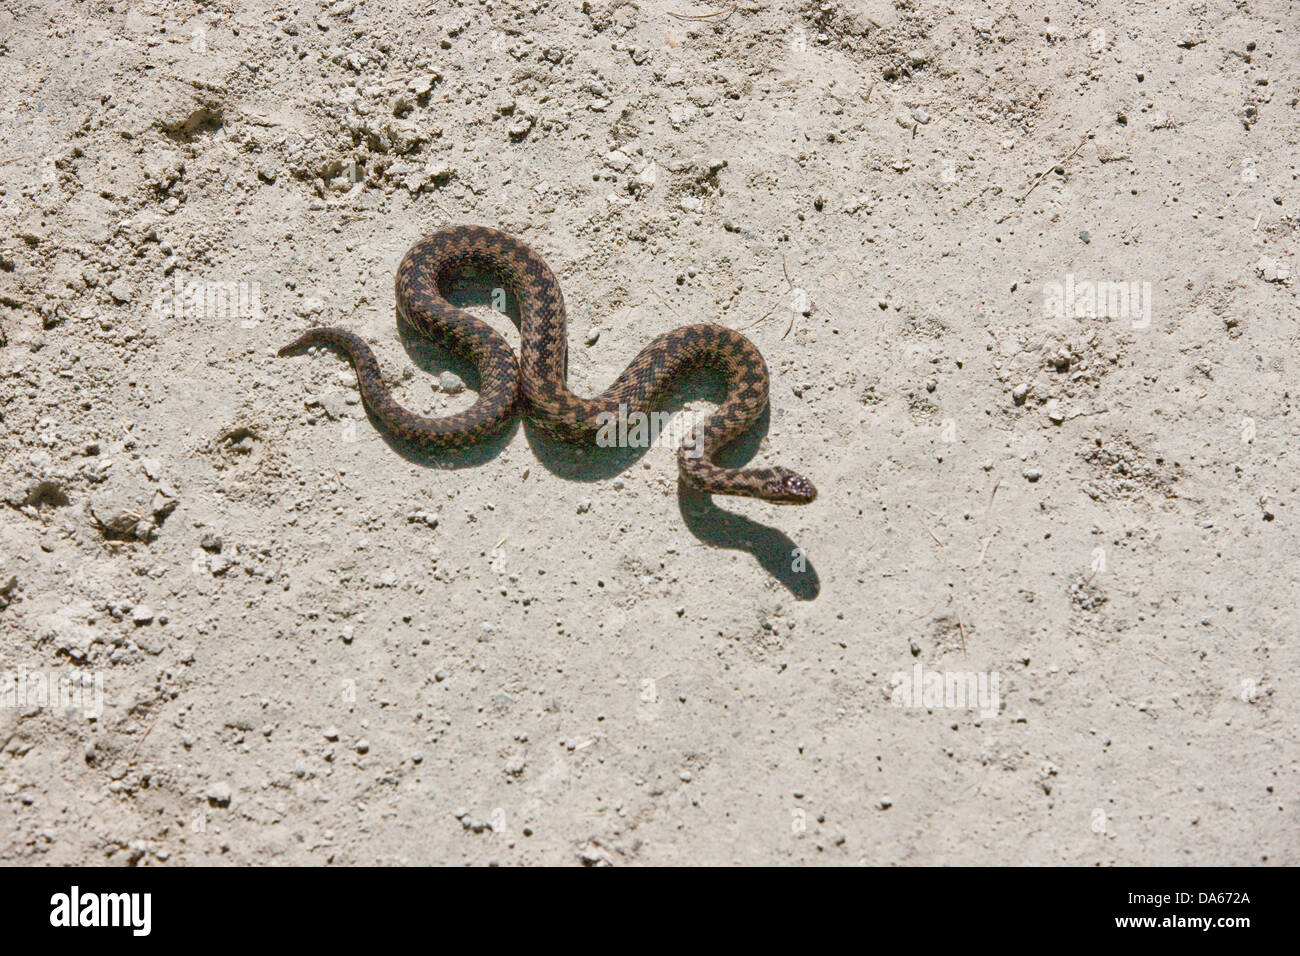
(540, 382)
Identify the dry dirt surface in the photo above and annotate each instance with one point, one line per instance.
(1024, 276)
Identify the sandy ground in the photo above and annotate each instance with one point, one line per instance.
(275, 637)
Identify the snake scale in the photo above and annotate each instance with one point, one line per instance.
(539, 380)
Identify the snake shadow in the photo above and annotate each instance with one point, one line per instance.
(774, 550)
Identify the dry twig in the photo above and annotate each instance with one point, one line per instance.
(1054, 165)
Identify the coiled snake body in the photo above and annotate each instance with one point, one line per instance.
(540, 379)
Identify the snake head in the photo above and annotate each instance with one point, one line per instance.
(792, 488)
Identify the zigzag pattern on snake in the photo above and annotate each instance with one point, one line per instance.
(540, 379)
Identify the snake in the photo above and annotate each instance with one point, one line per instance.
(537, 381)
